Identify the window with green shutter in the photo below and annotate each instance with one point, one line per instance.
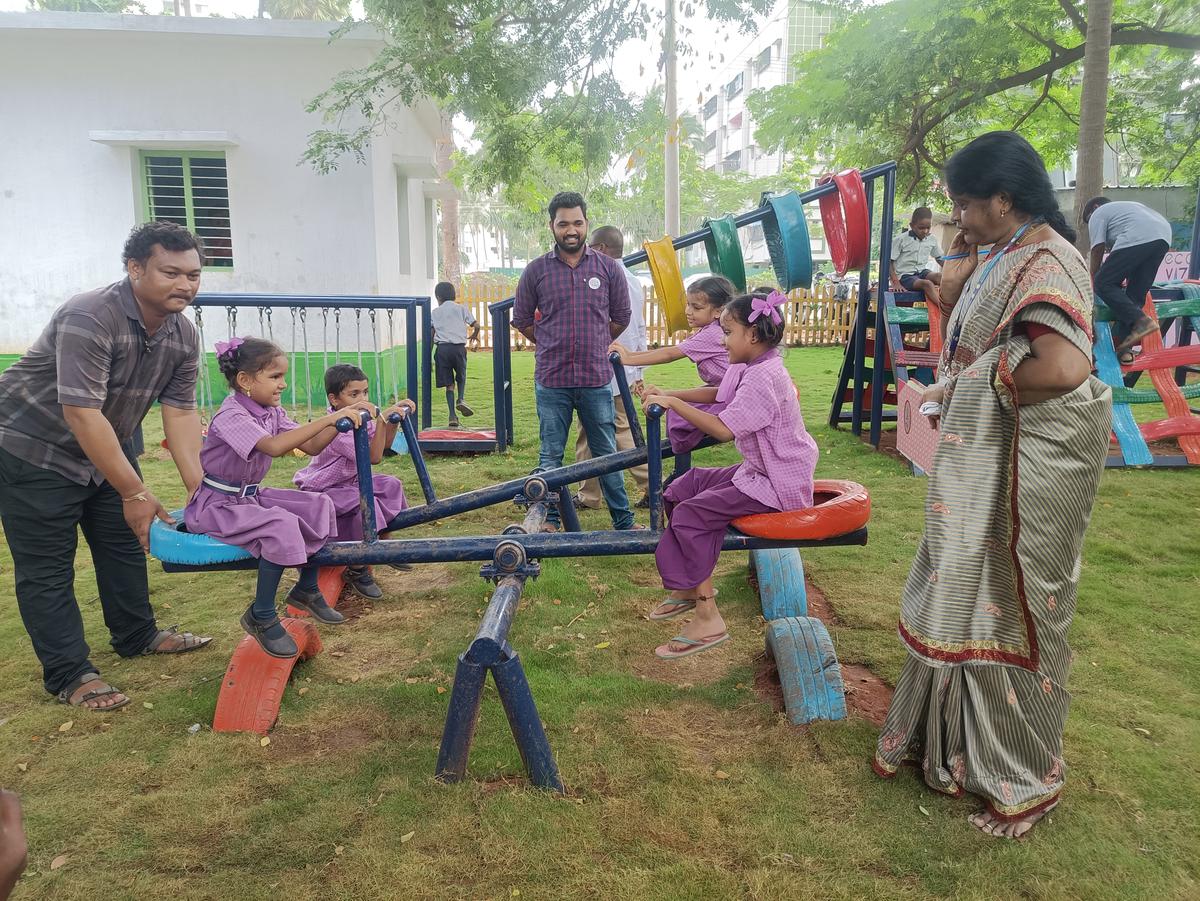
(192, 189)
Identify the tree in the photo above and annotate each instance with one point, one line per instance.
(89, 6)
(528, 73)
(316, 10)
(897, 82)
(1093, 108)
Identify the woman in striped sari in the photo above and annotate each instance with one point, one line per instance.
(981, 702)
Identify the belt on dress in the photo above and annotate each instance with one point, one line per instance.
(248, 490)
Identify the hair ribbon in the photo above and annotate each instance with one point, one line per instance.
(767, 306)
(227, 348)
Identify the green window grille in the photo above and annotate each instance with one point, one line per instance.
(192, 189)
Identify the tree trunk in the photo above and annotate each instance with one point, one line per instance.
(1093, 109)
(451, 255)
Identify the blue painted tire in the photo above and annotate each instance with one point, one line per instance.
(808, 669)
(779, 573)
(170, 545)
(786, 234)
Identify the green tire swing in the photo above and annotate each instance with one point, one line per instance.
(724, 251)
(786, 233)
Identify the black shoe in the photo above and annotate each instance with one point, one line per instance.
(578, 504)
(453, 424)
(362, 583)
(644, 503)
(271, 636)
(462, 408)
(314, 603)
(401, 567)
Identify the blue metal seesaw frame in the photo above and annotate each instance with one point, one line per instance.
(511, 558)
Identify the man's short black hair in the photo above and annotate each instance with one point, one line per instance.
(168, 235)
(337, 377)
(567, 200)
(610, 236)
(444, 292)
(1091, 205)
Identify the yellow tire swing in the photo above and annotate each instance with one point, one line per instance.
(668, 281)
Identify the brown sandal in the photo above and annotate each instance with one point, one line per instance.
(190, 642)
(64, 696)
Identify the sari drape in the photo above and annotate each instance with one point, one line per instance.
(982, 700)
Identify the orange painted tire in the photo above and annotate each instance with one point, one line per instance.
(668, 281)
(844, 217)
(840, 507)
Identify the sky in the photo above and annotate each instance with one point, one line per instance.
(635, 62)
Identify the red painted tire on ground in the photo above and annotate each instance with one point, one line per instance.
(844, 216)
(841, 507)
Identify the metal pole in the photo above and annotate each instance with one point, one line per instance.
(671, 144)
(860, 324)
(635, 422)
(654, 448)
(566, 510)
(426, 362)
(878, 370)
(418, 458)
(366, 482)
(526, 724)
(461, 718)
(410, 356)
(459, 549)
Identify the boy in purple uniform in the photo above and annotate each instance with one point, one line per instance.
(762, 417)
(583, 300)
(334, 471)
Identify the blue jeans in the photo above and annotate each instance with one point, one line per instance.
(556, 408)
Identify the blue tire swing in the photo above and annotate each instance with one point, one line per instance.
(174, 545)
(786, 232)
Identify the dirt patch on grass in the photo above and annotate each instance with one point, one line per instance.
(425, 578)
(328, 738)
(819, 606)
(866, 694)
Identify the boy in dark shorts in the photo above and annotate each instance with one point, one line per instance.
(911, 252)
(450, 322)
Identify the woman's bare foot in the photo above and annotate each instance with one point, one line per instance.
(985, 821)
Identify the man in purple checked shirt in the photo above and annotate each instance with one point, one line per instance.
(583, 300)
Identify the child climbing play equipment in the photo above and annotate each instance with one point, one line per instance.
(1167, 367)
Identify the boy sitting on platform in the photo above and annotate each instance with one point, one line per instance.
(334, 472)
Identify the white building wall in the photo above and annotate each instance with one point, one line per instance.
(67, 202)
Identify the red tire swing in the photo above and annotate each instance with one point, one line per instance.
(839, 508)
(844, 216)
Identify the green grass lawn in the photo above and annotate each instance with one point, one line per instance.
(683, 782)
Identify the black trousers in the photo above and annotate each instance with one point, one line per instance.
(1136, 267)
(42, 512)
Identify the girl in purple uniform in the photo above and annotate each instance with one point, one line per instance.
(280, 526)
(705, 300)
(761, 415)
(334, 472)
